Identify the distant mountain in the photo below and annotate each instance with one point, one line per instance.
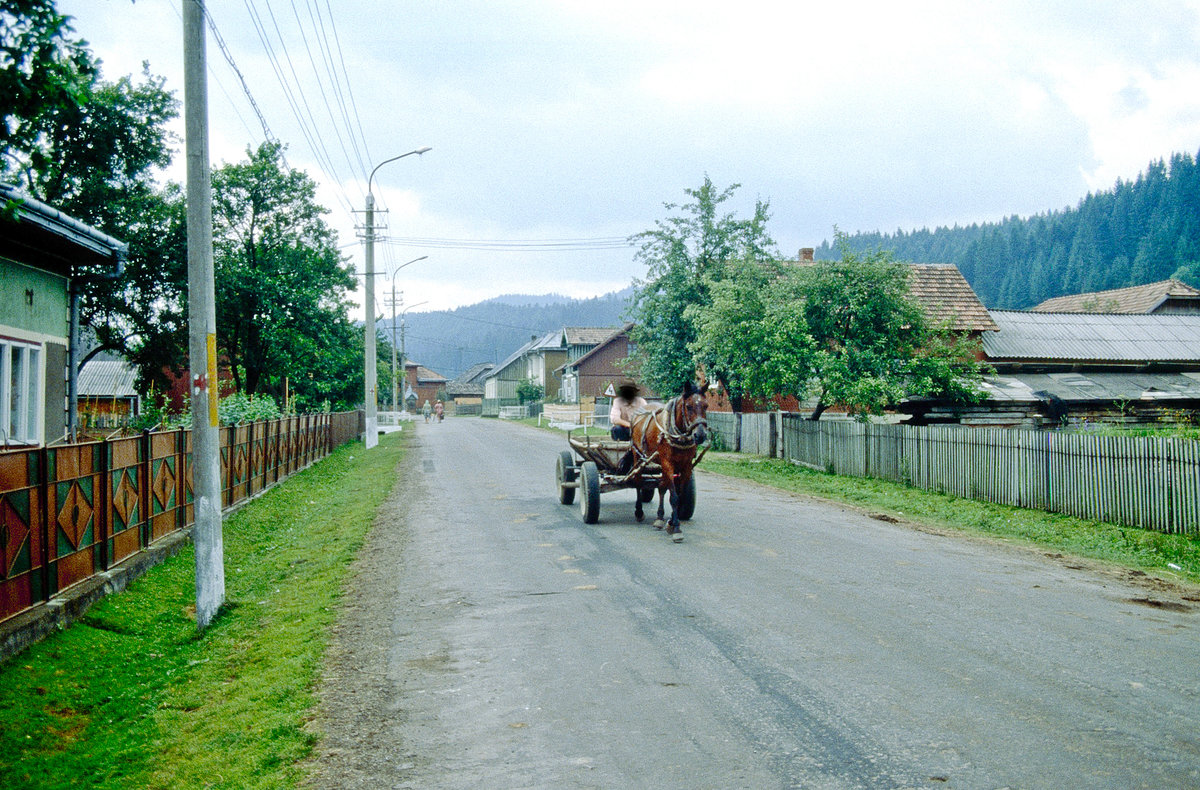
(1138, 232)
(451, 341)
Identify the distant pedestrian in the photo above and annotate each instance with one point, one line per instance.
(440, 411)
(426, 410)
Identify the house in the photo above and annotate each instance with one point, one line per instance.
(1164, 297)
(108, 395)
(466, 391)
(422, 384)
(1056, 369)
(44, 256)
(596, 373)
(538, 361)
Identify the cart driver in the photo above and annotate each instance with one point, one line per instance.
(625, 405)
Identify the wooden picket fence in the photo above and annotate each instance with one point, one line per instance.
(1147, 482)
(72, 511)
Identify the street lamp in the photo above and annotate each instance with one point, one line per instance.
(404, 370)
(392, 276)
(369, 394)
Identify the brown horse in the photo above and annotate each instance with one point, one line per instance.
(673, 432)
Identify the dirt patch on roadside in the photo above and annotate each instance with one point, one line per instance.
(357, 718)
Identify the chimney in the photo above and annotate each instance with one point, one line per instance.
(806, 254)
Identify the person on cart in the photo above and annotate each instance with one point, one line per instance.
(626, 404)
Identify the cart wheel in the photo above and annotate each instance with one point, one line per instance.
(687, 500)
(564, 472)
(589, 490)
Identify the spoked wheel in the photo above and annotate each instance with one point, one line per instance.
(564, 474)
(589, 492)
(687, 500)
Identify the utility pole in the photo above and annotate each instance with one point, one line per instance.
(394, 344)
(369, 383)
(202, 324)
(369, 395)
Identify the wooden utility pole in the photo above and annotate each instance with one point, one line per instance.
(202, 323)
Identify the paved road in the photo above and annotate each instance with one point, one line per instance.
(786, 643)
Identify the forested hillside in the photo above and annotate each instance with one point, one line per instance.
(1137, 232)
(450, 341)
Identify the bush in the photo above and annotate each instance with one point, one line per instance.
(238, 408)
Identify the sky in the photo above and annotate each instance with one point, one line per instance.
(558, 129)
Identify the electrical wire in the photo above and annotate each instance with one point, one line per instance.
(511, 245)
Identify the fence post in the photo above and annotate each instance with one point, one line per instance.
(43, 456)
(104, 504)
(144, 470)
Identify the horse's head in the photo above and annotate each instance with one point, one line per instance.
(692, 413)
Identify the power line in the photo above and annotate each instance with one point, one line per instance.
(512, 245)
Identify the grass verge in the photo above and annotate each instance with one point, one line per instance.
(132, 696)
(1138, 549)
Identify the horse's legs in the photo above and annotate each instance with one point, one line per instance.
(658, 522)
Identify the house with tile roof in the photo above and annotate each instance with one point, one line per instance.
(597, 373)
(421, 384)
(1165, 296)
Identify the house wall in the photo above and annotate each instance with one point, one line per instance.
(602, 369)
(34, 301)
(34, 314)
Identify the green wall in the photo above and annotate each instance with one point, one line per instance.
(48, 314)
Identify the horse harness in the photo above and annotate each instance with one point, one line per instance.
(680, 439)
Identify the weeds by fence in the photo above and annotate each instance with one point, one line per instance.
(72, 511)
(1138, 481)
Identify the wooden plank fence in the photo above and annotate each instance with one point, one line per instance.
(69, 512)
(1147, 482)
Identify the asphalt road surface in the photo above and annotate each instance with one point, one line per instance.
(492, 640)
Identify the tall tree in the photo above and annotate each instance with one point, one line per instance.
(685, 255)
(280, 282)
(92, 148)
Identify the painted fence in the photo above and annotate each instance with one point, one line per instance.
(1147, 482)
(72, 511)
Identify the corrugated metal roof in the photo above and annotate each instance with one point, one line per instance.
(1093, 338)
(108, 379)
(1082, 387)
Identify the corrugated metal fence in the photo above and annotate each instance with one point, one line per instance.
(1146, 482)
(72, 511)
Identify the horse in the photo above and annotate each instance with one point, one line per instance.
(672, 432)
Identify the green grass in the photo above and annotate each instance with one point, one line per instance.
(1139, 549)
(132, 696)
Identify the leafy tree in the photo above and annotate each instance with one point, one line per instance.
(528, 391)
(43, 71)
(874, 346)
(844, 332)
(280, 281)
(91, 148)
(685, 255)
(755, 331)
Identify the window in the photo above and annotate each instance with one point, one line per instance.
(20, 391)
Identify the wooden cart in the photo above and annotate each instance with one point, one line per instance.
(594, 466)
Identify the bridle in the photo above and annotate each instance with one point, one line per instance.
(679, 437)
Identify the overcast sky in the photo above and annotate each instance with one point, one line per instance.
(577, 120)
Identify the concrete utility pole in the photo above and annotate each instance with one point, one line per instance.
(202, 323)
(370, 395)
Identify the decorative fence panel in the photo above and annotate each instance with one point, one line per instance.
(69, 512)
(1147, 482)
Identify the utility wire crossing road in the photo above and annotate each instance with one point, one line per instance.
(492, 640)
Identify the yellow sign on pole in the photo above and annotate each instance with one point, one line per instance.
(213, 389)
